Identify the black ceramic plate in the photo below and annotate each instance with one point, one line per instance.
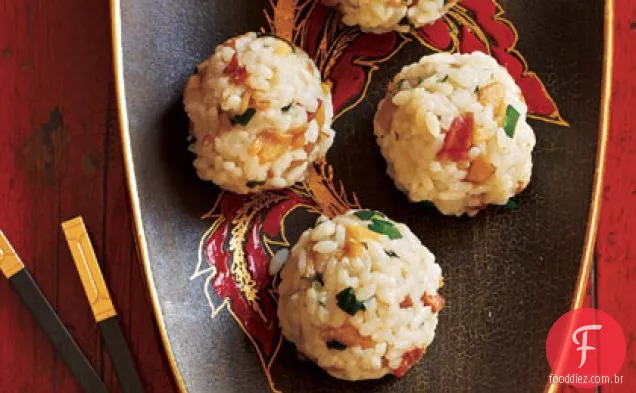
(509, 272)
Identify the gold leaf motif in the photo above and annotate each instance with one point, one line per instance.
(332, 200)
(241, 223)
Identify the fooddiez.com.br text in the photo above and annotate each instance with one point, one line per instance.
(582, 379)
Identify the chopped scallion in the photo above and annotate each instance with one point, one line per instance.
(510, 122)
(244, 117)
(385, 228)
(347, 301)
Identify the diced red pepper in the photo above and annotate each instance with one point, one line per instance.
(234, 70)
(436, 302)
(408, 360)
(458, 139)
(406, 302)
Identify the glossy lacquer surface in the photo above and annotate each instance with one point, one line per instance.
(509, 273)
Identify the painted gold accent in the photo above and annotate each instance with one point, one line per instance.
(284, 19)
(241, 223)
(287, 18)
(595, 207)
(88, 268)
(320, 185)
(10, 262)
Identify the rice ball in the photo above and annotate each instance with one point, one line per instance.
(453, 130)
(359, 296)
(381, 16)
(259, 114)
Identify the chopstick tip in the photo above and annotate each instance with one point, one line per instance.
(10, 262)
(73, 222)
(5, 245)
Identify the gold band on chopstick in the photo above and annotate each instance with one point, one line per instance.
(10, 262)
(88, 269)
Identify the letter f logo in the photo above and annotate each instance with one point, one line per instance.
(583, 344)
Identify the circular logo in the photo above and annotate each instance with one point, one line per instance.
(585, 348)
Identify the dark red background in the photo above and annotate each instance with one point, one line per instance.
(60, 156)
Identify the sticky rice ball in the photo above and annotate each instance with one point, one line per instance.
(259, 113)
(358, 296)
(453, 131)
(381, 16)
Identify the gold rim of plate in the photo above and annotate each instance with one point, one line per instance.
(142, 245)
(593, 215)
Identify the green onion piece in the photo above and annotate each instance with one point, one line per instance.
(390, 253)
(347, 301)
(427, 204)
(510, 205)
(385, 228)
(244, 117)
(444, 79)
(512, 117)
(337, 345)
(255, 183)
(364, 214)
(420, 80)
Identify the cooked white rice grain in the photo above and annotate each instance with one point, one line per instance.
(380, 16)
(453, 131)
(259, 113)
(359, 296)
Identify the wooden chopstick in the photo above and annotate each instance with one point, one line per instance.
(103, 309)
(44, 314)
